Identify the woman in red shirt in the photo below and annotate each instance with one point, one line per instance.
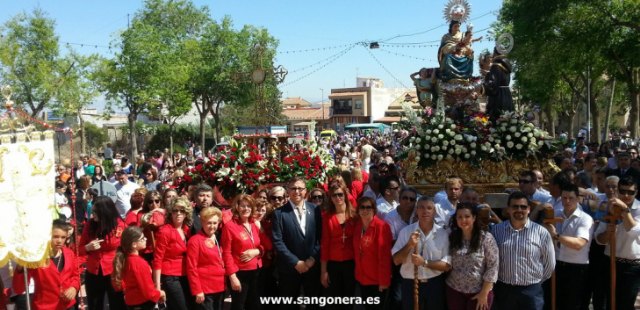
(99, 241)
(205, 268)
(133, 215)
(242, 253)
(133, 274)
(336, 250)
(169, 257)
(151, 218)
(372, 247)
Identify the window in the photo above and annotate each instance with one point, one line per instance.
(342, 106)
(358, 105)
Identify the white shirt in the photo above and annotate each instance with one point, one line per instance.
(541, 197)
(432, 247)
(370, 193)
(396, 223)
(578, 224)
(627, 242)
(301, 216)
(385, 207)
(123, 196)
(444, 211)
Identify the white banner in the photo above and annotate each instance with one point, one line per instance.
(27, 175)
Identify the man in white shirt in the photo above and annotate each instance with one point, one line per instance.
(572, 237)
(445, 208)
(425, 245)
(365, 154)
(124, 190)
(389, 189)
(627, 236)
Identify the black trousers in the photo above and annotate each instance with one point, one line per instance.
(371, 292)
(341, 282)
(248, 297)
(211, 302)
(268, 285)
(571, 285)
(627, 285)
(178, 292)
(394, 296)
(97, 286)
(597, 279)
(290, 284)
(149, 305)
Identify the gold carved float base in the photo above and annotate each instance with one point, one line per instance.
(486, 177)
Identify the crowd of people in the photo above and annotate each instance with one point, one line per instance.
(364, 232)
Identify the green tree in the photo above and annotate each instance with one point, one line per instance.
(150, 69)
(31, 61)
(96, 136)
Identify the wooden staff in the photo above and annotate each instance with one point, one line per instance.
(549, 218)
(416, 280)
(612, 217)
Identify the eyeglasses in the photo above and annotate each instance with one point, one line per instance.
(277, 197)
(626, 192)
(366, 207)
(338, 195)
(317, 197)
(412, 199)
(156, 201)
(177, 211)
(521, 207)
(297, 189)
(525, 181)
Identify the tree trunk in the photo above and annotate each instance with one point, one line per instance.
(133, 135)
(605, 134)
(572, 120)
(596, 127)
(551, 124)
(171, 140)
(634, 93)
(216, 118)
(203, 121)
(83, 134)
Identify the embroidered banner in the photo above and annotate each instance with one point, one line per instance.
(27, 174)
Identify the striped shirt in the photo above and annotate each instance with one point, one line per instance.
(527, 256)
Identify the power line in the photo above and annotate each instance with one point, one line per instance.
(337, 56)
(321, 61)
(383, 67)
(85, 44)
(315, 49)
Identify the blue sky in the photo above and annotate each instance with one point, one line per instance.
(314, 36)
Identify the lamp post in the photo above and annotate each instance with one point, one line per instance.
(322, 104)
(165, 117)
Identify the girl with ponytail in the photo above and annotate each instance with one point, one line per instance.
(132, 273)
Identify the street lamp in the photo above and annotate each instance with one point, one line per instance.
(165, 118)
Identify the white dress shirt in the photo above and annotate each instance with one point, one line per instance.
(444, 211)
(627, 242)
(301, 216)
(578, 224)
(396, 223)
(385, 207)
(432, 247)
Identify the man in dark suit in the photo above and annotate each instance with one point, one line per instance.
(624, 169)
(296, 239)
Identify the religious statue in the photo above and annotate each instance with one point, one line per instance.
(425, 80)
(496, 86)
(455, 53)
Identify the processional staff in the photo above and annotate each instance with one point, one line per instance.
(416, 280)
(612, 218)
(550, 219)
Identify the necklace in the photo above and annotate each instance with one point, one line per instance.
(58, 261)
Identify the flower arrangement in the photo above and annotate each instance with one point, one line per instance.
(475, 138)
(242, 167)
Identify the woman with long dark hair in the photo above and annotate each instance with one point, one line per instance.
(336, 246)
(99, 241)
(151, 217)
(474, 262)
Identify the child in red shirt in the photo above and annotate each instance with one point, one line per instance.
(132, 273)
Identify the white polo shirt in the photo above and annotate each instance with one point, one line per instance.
(578, 224)
(432, 247)
(627, 242)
